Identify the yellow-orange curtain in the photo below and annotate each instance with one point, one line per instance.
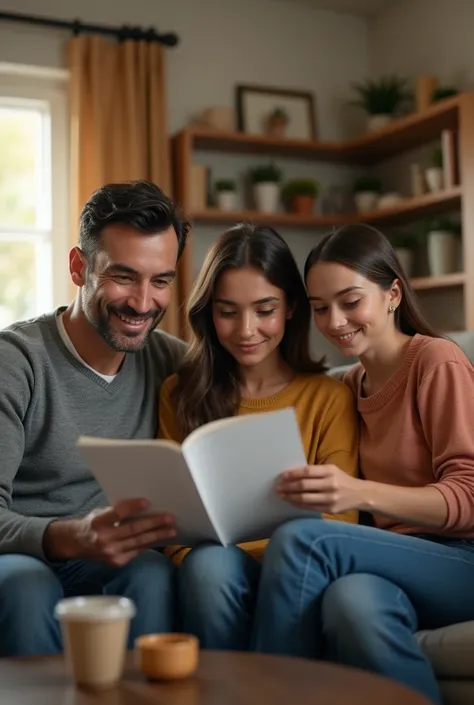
(118, 123)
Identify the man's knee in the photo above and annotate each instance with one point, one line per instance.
(23, 578)
(29, 591)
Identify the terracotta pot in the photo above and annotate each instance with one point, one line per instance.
(303, 205)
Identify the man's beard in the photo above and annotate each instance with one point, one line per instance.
(126, 343)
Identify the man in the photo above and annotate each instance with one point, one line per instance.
(93, 368)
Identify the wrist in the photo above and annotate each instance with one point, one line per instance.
(59, 540)
(366, 496)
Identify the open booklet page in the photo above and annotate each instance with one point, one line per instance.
(235, 464)
(155, 470)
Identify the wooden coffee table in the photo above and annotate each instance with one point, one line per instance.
(223, 678)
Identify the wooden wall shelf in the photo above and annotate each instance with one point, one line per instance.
(442, 282)
(402, 135)
(406, 211)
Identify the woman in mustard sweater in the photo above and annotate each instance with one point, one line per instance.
(357, 595)
(249, 317)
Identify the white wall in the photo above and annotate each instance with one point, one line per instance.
(413, 37)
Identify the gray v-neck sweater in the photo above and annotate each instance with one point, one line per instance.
(48, 398)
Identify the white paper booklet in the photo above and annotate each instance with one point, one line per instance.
(219, 484)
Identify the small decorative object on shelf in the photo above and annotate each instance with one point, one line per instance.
(218, 118)
(225, 194)
(434, 173)
(276, 122)
(442, 93)
(417, 180)
(443, 246)
(389, 200)
(366, 193)
(425, 86)
(382, 99)
(275, 111)
(299, 195)
(405, 245)
(266, 181)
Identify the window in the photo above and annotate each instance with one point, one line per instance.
(33, 196)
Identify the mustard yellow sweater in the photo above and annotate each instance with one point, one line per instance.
(327, 417)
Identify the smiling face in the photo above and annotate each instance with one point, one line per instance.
(348, 309)
(249, 316)
(126, 288)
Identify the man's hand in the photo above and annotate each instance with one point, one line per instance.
(112, 535)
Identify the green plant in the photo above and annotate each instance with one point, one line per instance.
(225, 185)
(278, 114)
(444, 224)
(367, 183)
(265, 173)
(404, 241)
(442, 93)
(437, 158)
(300, 187)
(382, 97)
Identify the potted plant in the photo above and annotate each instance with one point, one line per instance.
(443, 246)
(266, 187)
(443, 93)
(276, 123)
(299, 195)
(405, 245)
(225, 194)
(434, 173)
(381, 99)
(366, 193)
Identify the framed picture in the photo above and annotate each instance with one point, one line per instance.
(275, 112)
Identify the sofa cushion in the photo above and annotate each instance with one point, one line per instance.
(450, 650)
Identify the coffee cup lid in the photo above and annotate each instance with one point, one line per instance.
(95, 608)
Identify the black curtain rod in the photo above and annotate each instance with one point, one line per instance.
(170, 39)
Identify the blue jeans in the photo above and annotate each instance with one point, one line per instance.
(217, 590)
(356, 595)
(30, 589)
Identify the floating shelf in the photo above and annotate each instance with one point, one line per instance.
(401, 135)
(405, 211)
(442, 282)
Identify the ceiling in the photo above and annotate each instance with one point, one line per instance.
(355, 7)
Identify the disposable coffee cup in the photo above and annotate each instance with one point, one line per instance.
(95, 633)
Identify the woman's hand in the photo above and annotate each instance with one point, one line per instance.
(323, 488)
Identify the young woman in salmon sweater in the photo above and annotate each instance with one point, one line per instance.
(358, 594)
(250, 320)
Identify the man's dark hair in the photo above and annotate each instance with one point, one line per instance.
(140, 204)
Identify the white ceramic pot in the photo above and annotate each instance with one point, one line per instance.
(389, 200)
(366, 201)
(226, 200)
(435, 179)
(406, 257)
(377, 122)
(443, 252)
(267, 196)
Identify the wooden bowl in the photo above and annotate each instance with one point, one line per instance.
(167, 656)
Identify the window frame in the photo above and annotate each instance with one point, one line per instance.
(46, 87)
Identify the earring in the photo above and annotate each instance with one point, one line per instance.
(391, 309)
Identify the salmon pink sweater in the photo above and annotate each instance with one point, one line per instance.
(418, 430)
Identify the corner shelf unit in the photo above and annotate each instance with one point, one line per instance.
(402, 135)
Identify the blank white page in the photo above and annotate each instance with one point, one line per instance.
(235, 466)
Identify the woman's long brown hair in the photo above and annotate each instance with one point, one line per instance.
(366, 250)
(208, 380)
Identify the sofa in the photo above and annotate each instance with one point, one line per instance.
(450, 649)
